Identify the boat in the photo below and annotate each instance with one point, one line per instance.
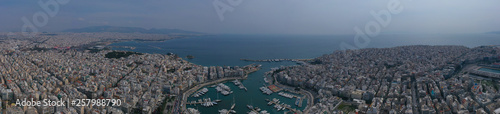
(223, 89)
(257, 109)
(250, 107)
(285, 95)
(200, 92)
(223, 111)
(297, 101)
(206, 102)
(252, 112)
(239, 84)
(226, 92)
(266, 90)
(264, 112)
(193, 111)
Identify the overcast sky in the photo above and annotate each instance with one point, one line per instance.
(262, 16)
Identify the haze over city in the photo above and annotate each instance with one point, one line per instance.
(262, 16)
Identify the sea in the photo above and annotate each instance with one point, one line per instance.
(228, 49)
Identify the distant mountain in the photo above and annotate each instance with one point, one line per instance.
(493, 32)
(130, 30)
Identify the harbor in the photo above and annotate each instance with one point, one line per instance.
(258, 104)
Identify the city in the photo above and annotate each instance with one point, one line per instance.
(141, 81)
(406, 79)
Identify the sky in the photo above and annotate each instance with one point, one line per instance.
(259, 16)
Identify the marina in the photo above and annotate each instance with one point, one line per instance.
(210, 55)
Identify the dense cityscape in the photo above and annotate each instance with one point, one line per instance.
(406, 79)
(142, 82)
(250, 57)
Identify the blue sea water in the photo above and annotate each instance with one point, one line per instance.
(220, 50)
